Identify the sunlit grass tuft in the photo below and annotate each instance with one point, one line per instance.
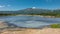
(55, 26)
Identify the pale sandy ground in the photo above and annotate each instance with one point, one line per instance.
(33, 31)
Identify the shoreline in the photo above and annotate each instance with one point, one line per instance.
(32, 31)
(40, 15)
(47, 16)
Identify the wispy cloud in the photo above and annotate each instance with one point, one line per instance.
(8, 5)
(48, 0)
(1, 6)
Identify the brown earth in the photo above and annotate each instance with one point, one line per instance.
(32, 31)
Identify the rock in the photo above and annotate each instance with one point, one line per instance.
(5, 24)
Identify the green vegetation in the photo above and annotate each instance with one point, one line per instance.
(8, 14)
(44, 14)
(30, 11)
(55, 26)
(50, 14)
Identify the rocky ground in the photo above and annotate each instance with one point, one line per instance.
(8, 28)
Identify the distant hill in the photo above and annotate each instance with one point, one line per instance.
(31, 11)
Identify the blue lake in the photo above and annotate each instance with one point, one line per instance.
(30, 21)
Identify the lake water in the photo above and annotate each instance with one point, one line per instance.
(30, 21)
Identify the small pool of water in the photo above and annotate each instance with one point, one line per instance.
(30, 21)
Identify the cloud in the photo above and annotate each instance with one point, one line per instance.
(33, 7)
(48, 0)
(1, 6)
(8, 5)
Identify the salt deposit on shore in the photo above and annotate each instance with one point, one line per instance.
(39, 15)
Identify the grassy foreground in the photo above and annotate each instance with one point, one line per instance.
(55, 26)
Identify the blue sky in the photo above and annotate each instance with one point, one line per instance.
(22, 4)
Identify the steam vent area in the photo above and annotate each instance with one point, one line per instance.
(7, 28)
